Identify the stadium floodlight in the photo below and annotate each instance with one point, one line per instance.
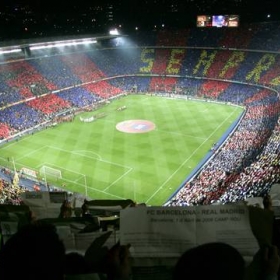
(40, 47)
(114, 32)
(10, 51)
(89, 42)
(60, 44)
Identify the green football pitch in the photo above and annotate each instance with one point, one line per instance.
(97, 159)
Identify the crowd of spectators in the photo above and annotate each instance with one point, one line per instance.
(227, 178)
(212, 89)
(4, 131)
(28, 81)
(83, 67)
(78, 97)
(256, 36)
(49, 104)
(8, 96)
(9, 193)
(21, 117)
(54, 70)
(115, 62)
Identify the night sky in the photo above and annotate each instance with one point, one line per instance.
(43, 18)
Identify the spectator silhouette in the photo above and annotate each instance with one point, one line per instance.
(85, 210)
(34, 252)
(65, 210)
(217, 261)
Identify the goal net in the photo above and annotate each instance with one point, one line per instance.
(47, 171)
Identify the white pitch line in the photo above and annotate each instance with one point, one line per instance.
(82, 155)
(94, 189)
(118, 179)
(108, 162)
(168, 179)
(82, 151)
(119, 197)
(30, 153)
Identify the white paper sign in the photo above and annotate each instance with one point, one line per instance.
(170, 231)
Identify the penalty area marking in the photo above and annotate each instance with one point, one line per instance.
(82, 155)
(80, 152)
(101, 160)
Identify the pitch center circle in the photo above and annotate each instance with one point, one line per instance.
(135, 126)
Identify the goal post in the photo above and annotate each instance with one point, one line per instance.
(50, 172)
(73, 178)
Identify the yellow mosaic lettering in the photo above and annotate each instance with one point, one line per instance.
(263, 65)
(235, 59)
(174, 64)
(205, 60)
(148, 60)
(275, 81)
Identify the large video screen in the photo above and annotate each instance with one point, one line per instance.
(217, 21)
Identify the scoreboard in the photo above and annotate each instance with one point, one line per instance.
(217, 21)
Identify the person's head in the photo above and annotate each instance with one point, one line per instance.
(34, 252)
(217, 261)
(65, 209)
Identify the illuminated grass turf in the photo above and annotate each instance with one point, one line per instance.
(147, 167)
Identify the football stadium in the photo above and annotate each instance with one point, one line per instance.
(209, 109)
(163, 120)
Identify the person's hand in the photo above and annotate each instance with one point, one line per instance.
(118, 262)
(271, 260)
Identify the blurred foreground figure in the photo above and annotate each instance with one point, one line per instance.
(217, 261)
(34, 252)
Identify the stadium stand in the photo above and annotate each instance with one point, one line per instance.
(21, 117)
(4, 131)
(49, 104)
(55, 71)
(79, 97)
